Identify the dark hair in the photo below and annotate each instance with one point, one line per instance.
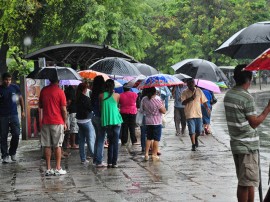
(109, 87)
(150, 92)
(6, 75)
(53, 80)
(97, 87)
(126, 88)
(81, 87)
(241, 76)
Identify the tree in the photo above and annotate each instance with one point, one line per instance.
(14, 15)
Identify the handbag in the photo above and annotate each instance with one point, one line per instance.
(139, 118)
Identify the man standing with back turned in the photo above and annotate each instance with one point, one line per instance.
(53, 102)
(9, 120)
(242, 120)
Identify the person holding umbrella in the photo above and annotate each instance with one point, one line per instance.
(192, 98)
(242, 120)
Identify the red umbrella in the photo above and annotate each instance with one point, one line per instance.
(262, 62)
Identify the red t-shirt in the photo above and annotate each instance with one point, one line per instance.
(51, 99)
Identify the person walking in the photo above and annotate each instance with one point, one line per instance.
(179, 109)
(86, 130)
(9, 120)
(128, 112)
(192, 98)
(111, 120)
(242, 120)
(52, 101)
(153, 108)
(97, 89)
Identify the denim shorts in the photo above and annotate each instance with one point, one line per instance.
(153, 132)
(194, 126)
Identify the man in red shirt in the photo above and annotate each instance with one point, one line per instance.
(53, 103)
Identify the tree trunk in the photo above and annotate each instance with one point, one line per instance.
(3, 54)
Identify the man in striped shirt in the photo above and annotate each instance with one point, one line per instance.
(242, 120)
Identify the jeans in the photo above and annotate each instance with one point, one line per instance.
(12, 123)
(113, 137)
(99, 143)
(143, 135)
(86, 134)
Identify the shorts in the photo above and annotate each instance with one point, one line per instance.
(247, 169)
(194, 126)
(52, 135)
(72, 124)
(153, 132)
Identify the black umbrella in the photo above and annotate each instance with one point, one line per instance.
(200, 69)
(61, 73)
(182, 76)
(115, 66)
(248, 42)
(145, 69)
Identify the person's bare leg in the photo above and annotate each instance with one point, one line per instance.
(58, 151)
(192, 138)
(147, 147)
(48, 153)
(243, 194)
(155, 148)
(251, 192)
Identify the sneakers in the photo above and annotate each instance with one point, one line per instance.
(114, 166)
(13, 158)
(49, 172)
(5, 159)
(59, 172)
(193, 147)
(85, 162)
(102, 165)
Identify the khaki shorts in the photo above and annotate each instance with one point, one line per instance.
(247, 169)
(52, 135)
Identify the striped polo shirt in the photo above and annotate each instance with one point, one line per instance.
(238, 105)
(151, 109)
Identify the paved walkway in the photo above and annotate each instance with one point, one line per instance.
(182, 175)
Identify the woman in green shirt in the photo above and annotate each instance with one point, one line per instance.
(111, 119)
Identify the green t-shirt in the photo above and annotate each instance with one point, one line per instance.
(110, 114)
(238, 105)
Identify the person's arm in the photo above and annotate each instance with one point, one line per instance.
(22, 106)
(255, 121)
(190, 99)
(173, 92)
(162, 109)
(64, 115)
(207, 108)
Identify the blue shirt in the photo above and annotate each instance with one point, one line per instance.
(8, 100)
(177, 94)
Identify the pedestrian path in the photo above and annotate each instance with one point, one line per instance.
(181, 175)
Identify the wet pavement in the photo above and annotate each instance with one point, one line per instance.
(181, 175)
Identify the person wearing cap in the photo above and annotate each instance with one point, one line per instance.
(9, 120)
(242, 121)
(192, 98)
(128, 110)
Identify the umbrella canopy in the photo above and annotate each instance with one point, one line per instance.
(145, 69)
(69, 82)
(182, 76)
(248, 42)
(61, 73)
(262, 62)
(90, 74)
(209, 85)
(159, 80)
(200, 69)
(115, 66)
(135, 82)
